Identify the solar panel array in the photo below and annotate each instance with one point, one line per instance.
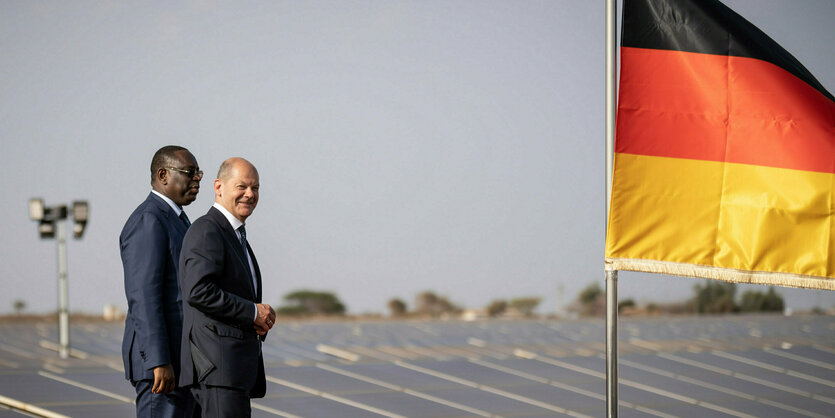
(740, 366)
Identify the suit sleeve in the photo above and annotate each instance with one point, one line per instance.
(144, 251)
(201, 271)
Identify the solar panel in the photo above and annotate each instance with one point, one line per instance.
(756, 365)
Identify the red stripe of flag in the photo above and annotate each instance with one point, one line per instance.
(722, 108)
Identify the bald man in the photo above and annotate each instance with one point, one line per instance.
(224, 321)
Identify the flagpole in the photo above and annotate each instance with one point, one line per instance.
(611, 275)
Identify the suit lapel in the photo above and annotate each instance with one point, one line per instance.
(170, 216)
(232, 240)
(257, 273)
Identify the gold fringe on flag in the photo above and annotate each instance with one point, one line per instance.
(720, 273)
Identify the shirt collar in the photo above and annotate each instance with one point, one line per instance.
(235, 222)
(177, 209)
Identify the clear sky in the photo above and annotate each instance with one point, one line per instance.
(403, 146)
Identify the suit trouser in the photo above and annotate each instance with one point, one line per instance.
(222, 402)
(177, 403)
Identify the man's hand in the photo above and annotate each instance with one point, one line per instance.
(163, 379)
(265, 319)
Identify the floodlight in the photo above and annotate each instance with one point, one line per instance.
(78, 229)
(51, 224)
(36, 209)
(46, 229)
(80, 214)
(80, 211)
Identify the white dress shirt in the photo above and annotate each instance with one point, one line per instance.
(236, 223)
(170, 202)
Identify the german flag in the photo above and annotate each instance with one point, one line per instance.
(724, 152)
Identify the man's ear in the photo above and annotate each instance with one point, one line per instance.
(217, 185)
(162, 176)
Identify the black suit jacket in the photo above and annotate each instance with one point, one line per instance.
(219, 346)
(150, 247)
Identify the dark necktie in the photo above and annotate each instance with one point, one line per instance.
(242, 231)
(184, 218)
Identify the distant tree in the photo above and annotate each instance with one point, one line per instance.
(627, 303)
(755, 301)
(751, 301)
(445, 306)
(428, 303)
(19, 305)
(425, 302)
(310, 302)
(773, 301)
(591, 301)
(590, 294)
(291, 310)
(715, 297)
(397, 307)
(525, 305)
(496, 308)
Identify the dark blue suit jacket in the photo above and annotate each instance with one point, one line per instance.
(219, 344)
(150, 245)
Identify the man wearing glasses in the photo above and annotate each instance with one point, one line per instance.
(150, 247)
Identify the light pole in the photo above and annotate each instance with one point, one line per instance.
(52, 223)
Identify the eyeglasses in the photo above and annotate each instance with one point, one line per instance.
(191, 172)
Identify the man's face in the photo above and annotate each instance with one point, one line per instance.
(238, 192)
(178, 186)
